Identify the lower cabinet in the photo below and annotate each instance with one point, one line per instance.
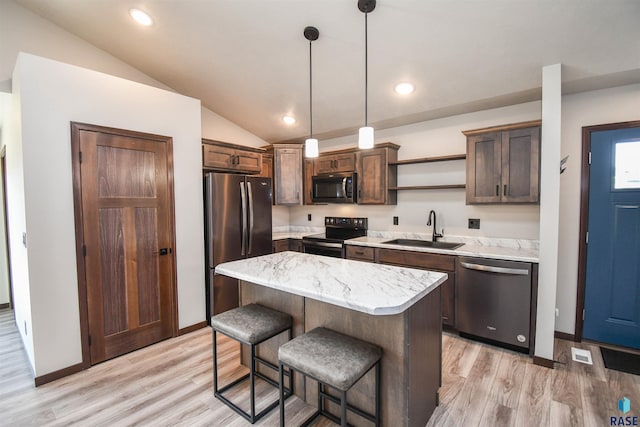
(422, 260)
(282, 245)
(295, 245)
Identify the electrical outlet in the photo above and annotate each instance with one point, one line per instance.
(395, 220)
(308, 217)
(474, 223)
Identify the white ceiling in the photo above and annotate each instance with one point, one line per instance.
(248, 60)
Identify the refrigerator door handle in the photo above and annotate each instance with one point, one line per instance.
(250, 198)
(243, 234)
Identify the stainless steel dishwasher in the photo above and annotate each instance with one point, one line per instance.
(493, 300)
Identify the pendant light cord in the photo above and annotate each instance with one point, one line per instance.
(310, 94)
(366, 69)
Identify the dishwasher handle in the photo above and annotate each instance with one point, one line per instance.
(492, 269)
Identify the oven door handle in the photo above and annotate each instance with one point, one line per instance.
(323, 244)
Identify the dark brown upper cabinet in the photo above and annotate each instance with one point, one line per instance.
(376, 174)
(267, 166)
(226, 157)
(307, 184)
(287, 174)
(503, 164)
(345, 162)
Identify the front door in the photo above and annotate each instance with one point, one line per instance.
(127, 234)
(612, 293)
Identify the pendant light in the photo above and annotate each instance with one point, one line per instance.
(365, 134)
(311, 144)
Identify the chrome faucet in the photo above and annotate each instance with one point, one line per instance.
(435, 236)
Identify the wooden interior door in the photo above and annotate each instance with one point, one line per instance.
(127, 233)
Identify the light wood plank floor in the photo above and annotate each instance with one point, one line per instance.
(170, 383)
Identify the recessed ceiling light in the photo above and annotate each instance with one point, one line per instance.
(404, 88)
(141, 17)
(288, 120)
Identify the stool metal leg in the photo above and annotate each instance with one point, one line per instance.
(378, 372)
(252, 382)
(215, 362)
(343, 409)
(281, 386)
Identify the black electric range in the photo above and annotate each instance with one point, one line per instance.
(337, 230)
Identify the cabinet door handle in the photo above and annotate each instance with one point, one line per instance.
(505, 190)
(497, 190)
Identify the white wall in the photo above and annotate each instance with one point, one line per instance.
(584, 109)
(436, 138)
(23, 31)
(12, 138)
(221, 129)
(5, 107)
(549, 208)
(53, 94)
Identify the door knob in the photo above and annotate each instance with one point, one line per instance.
(163, 251)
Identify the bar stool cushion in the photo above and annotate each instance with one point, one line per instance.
(251, 323)
(330, 357)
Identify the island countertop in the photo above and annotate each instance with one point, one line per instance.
(369, 288)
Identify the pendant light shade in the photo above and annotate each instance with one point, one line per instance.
(311, 147)
(311, 144)
(365, 135)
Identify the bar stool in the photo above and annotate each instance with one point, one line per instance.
(334, 360)
(251, 325)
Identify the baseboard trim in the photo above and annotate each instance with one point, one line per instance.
(56, 375)
(192, 328)
(541, 361)
(565, 336)
(5, 305)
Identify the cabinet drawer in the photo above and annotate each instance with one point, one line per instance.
(417, 259)
(360, 253)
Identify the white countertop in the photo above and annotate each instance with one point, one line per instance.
(511, 253)
(366, 287)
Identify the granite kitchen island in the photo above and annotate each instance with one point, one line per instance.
(396, 308)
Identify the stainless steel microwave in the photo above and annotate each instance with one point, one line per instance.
(334, 188)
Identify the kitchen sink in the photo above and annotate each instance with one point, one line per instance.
(424, 243)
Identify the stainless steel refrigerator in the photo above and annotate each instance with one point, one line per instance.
(238, 225)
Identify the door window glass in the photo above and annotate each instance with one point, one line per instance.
(627, 165)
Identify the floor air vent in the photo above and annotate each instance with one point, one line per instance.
(581, 355)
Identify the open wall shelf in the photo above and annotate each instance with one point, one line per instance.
(429, 160)
(429, 187)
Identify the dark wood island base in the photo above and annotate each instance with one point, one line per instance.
(411, 359)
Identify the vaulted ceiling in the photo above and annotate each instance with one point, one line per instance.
(248, 60)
